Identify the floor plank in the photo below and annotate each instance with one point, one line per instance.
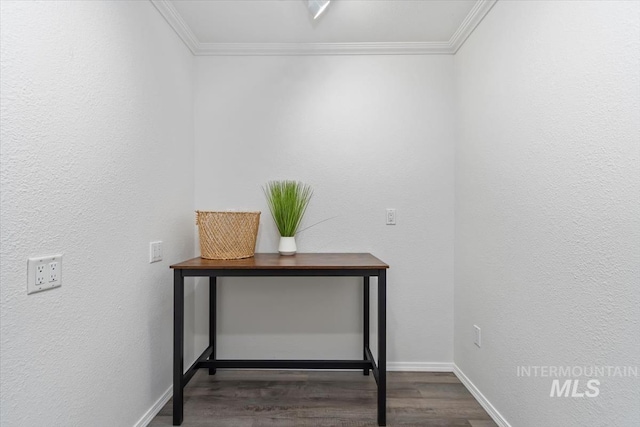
(318, 398)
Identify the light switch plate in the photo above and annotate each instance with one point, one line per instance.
(155, 251)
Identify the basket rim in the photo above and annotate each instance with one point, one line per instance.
(251, 212)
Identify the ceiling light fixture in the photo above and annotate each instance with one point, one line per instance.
(316, 7)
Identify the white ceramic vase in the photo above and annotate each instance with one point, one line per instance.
(287, 246)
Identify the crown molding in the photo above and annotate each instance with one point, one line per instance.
(262, 49)
(471, 21)
(175, 21)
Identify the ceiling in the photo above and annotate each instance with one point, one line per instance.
(347, 26)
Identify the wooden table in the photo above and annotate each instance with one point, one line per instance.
(348, 264)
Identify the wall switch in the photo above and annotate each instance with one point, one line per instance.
(44, 273)
(391, 217)
(477, 340)
(155, 252)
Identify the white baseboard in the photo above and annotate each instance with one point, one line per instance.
(153, 411)
(484, 402)
(420, 366)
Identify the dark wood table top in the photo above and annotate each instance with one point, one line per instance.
(314, 261)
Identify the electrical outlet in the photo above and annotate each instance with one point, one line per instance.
(40, 268)
(391, 217)
(477, 340)
(44, 273)
(155, 252)
(53, 271)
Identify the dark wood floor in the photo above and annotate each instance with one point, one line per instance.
(299, 399)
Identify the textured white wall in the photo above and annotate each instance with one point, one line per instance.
(368, 133)
(97, 155)
(547, 206)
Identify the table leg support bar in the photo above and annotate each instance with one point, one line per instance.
(284, 364)
(195, 366)
(374, 367)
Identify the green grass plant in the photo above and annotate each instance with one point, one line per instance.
(288, 201)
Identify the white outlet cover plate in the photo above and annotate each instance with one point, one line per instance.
(155, 251)
(477, 339)
(32, 266)
(391, 216)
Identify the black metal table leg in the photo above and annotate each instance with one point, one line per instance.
(213, 290)
(178, 345)
(365, 329)
(382, 347)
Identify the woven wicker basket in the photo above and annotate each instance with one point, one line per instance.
(227, 235)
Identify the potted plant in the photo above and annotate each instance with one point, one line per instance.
(288, 201)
